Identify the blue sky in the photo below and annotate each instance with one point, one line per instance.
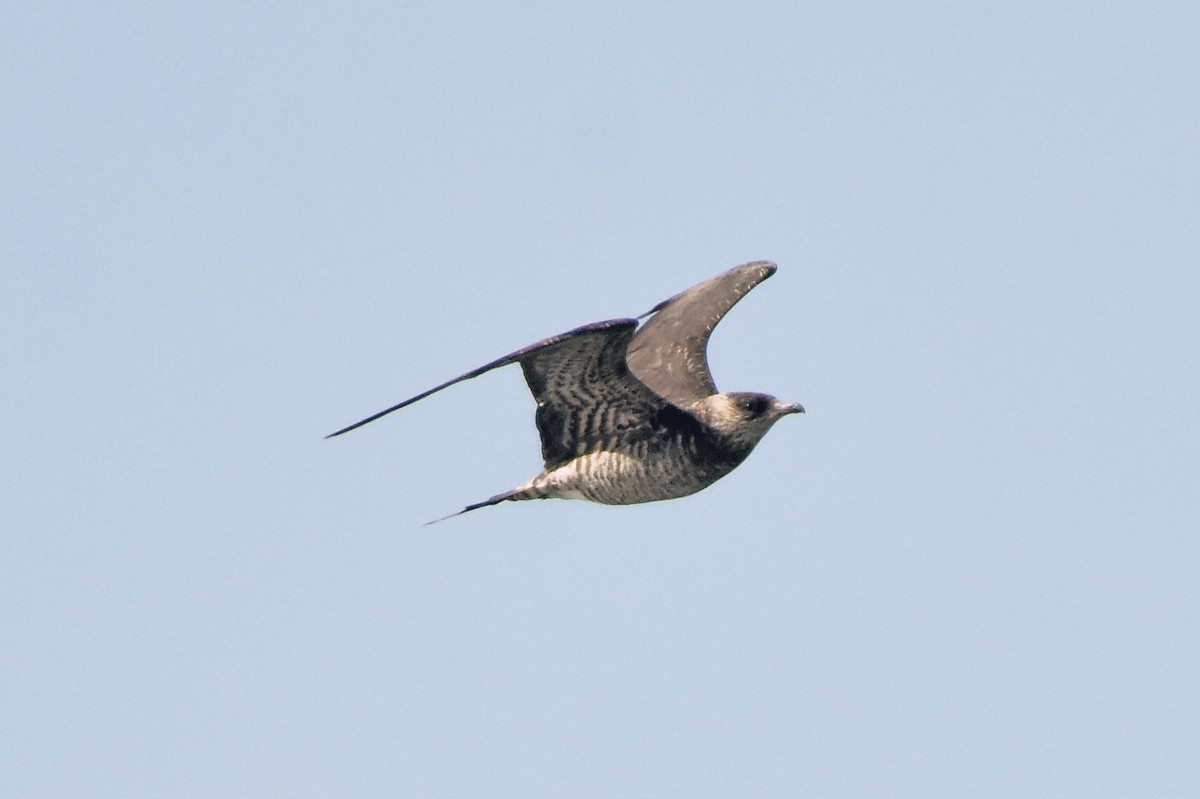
(229, 229)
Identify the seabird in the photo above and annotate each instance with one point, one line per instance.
(631, 414)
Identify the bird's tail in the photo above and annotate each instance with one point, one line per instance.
(526, 491)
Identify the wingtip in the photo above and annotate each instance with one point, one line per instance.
(768, 267)
(354, 426)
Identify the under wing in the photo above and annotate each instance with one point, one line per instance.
(586, 396)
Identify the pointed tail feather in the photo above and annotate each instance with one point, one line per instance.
(515, 494)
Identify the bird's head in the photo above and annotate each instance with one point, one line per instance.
(742, 418)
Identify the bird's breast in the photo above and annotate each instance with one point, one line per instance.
(645, 474)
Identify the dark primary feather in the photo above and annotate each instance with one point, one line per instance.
(668, 353)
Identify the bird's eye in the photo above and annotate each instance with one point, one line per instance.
(754, 406)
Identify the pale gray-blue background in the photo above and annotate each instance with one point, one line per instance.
(228, 229)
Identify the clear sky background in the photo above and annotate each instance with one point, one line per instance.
(227, 229)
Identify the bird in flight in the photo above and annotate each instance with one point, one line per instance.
(630, 414)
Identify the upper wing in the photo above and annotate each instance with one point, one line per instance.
(668, 352)
(586, 396)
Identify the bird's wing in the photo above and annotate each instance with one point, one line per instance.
(587, 399)
(586, 396)
(668, 352)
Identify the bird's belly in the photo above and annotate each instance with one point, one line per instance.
(615, 478)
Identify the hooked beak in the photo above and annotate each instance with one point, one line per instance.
(793, 408)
